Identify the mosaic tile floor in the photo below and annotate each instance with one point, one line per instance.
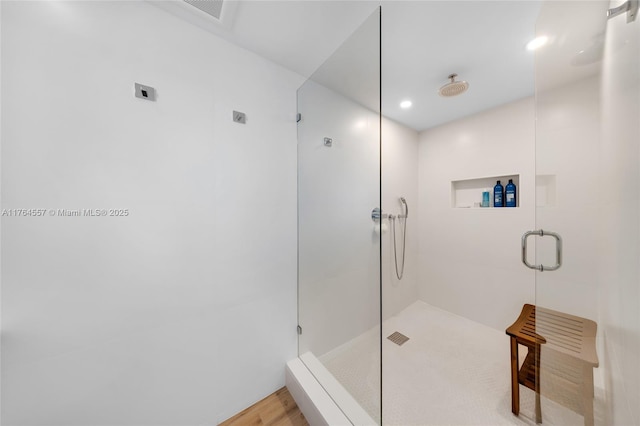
(452, 371)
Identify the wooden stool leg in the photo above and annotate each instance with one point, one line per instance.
(537, 390)
(587, 394)
(515, 390)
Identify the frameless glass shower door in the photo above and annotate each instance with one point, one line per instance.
(338, 240)
(586, 322)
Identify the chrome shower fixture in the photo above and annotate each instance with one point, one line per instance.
(403, 224)
(630, 6)
(453, 88)
(406, 207)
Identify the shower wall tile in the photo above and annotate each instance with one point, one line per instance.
(183, 311)
(470, 257)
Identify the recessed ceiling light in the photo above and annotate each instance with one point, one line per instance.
(406, 104)
(537, 42)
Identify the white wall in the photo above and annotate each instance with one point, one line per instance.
(184, 312)
(399, 179)
(619, 197)
(470, 257)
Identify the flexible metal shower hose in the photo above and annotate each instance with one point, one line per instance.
(400, 273)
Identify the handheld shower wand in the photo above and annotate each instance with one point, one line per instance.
(406, 207)
(400, 271)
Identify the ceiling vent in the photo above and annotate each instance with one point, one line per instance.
(215, 16)
(210, 7)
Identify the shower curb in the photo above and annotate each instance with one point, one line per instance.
(314, 401)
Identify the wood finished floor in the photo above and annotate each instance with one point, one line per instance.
(278, 409)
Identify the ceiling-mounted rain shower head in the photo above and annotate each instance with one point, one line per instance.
(453, 88)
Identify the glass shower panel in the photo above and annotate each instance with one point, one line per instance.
(586, 215)
(338, 242)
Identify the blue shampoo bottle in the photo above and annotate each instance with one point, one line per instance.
(498, 195)
(510, 194)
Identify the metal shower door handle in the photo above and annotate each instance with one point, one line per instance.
(541, 267)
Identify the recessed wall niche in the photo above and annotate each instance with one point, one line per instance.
(467, 193)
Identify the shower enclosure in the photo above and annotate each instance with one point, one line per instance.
(569, 247)
(339, 253)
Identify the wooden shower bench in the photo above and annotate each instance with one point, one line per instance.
(561, 349)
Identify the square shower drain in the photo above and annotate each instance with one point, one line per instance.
(398, 338)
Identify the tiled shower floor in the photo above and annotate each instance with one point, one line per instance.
(452, 371)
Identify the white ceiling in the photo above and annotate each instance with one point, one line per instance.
(482, 41)
(297, 34)
(423, 41)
